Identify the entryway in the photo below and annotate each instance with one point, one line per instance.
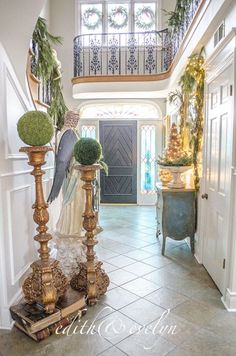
(131, 135)
(218, 176)
(119, 142)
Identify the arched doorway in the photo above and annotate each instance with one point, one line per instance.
(131, 136)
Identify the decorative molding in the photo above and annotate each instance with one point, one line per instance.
(15, 278)
(17, 173)
(221, 45)
(121, 78)
(229, 300)
(233, 168)
(15, 86)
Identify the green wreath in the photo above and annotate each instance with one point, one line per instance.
(140, 18)
(87, 18)
(120, 10)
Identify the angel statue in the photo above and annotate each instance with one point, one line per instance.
(69, 231)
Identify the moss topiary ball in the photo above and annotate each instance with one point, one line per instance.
(35, 128)
(87, 151)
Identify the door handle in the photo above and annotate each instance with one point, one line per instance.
(205, 196)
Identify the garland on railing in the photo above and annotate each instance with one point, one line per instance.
(191, 95)
(176, 17)
(114, 13)
(48, 69)
(145, 18)
(92, 18)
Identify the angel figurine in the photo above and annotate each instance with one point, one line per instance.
(69, 231)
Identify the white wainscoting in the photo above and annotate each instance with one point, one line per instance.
(17, 229)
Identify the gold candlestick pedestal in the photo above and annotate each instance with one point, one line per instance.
(92, 278)
(46, 283)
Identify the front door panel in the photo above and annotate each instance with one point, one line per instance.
(119, 142)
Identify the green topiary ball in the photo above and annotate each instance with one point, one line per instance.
(87, 151)
(35, 128)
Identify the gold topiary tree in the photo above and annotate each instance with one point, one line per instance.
(174, 155)
(174, 148)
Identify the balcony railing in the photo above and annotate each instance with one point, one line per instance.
(134, 53)
(43, 88)
(121, 53)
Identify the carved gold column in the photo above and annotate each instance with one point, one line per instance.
(92, 278)
(46, 283)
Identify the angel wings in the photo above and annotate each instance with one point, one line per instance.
(62, 163)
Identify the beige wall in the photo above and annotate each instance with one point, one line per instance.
(16, 27)
(62, 23)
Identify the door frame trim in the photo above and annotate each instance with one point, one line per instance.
(216, 69)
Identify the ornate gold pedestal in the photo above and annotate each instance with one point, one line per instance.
(47, 282)
(92, 278)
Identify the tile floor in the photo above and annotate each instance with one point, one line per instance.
(155, 305)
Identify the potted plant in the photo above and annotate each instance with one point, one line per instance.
(175, 159)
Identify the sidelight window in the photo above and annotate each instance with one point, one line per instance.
(148, 156)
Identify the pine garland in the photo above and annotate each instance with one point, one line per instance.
(191, 94)
(48, 69)
(176, 17)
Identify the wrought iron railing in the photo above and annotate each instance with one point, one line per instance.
(143, 53)
(44, 90)
(176, 37)
(121, 53)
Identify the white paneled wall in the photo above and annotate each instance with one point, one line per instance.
(17, 247)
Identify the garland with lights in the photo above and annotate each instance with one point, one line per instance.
(145, 12)
(192, 82)
(88, 14)
(191, 96)
(118, 11)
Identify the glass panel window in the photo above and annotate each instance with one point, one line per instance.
(88, 131)
(91, 18)
(118, 18)
(148, 152)
(144, 16)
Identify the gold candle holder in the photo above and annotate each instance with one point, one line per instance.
(46, 283)
(91, 279)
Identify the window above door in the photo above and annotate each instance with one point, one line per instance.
(117, 16)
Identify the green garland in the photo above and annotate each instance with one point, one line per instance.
(191, 95)
(184, 160)
(177, 16)
(140, 22)
(120, 10)
(192, 81)
(48, 69)
(87, 18)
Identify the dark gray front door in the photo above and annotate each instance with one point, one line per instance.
(119, 142)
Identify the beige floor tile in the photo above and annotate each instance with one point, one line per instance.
(116, 327)
(195, 312)
(139, 268)
(173, 328)
(118, 298)
(142, 311)
(145, 345)
(166, 298)
(140, 286)
(113, 351)
(138, 254)
(121, 261)
(157, 261)
(206, 343)
(120, 277)
(224, 325)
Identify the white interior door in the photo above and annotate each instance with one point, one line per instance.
(218, 174)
